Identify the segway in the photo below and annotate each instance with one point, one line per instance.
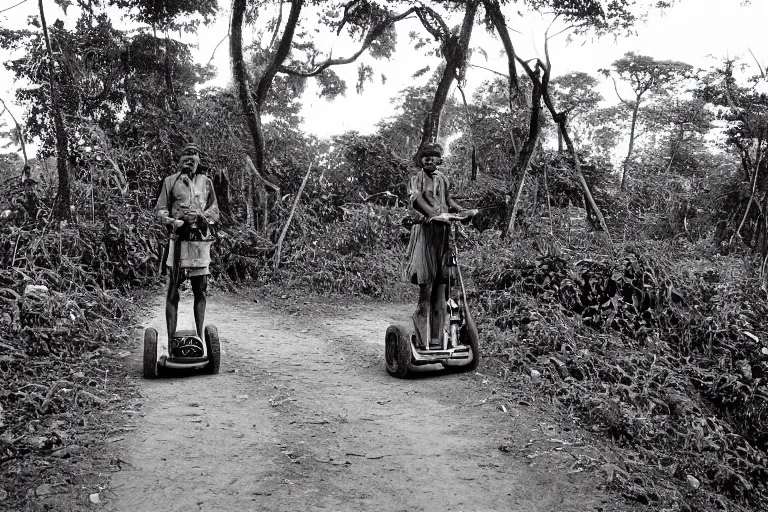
(457, 344)
(185, 350)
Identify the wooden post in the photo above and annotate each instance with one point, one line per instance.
(290, 216)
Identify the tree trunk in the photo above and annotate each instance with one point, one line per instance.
(455, 52)
(251, 111)
(561, 119)
(631, 143)
(248, 198)
(221, 188)
(584, 184)
(168, 72)
(259, 190)
(525, 157)
(63, 195)
(278, 251)
(526, 153)
(265, 82)
(549, 206)
(673, 149)
(752, 192)
(762, 242)
(252, 117)
(493, 10)
(473, 168)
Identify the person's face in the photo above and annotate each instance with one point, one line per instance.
(188, 160)
(429, 163)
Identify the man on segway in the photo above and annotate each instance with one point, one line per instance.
(428, 248)
(187, 204)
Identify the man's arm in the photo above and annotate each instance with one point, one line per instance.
(453, 206)
(420, 206)
(211, 212)
(162, 208)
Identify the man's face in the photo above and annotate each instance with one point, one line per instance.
(189, 160)
(429, 163)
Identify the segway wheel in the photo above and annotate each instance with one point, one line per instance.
(150, 353)
(213, 348)
(397, 350)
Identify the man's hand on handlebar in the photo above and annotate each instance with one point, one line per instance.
(463, 216)
(443, 217)
(190, 217)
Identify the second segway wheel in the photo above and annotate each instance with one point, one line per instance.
(213, 348)
(397, 350)
(150, 353)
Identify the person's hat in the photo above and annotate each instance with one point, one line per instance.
(431, 149)
(189, 147)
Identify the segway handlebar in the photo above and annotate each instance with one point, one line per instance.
(449, 217)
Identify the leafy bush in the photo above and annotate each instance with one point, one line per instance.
(362, 253)
(667, 359)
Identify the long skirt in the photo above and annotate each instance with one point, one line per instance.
(426, 253)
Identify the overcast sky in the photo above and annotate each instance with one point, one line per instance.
(698, 32)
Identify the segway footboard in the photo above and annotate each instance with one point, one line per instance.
(186, 351)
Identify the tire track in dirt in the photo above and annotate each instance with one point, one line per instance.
(304, 417)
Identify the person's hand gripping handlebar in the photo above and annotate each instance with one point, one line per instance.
(461, 216)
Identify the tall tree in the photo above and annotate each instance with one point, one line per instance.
(560, 117)
(454, 48)
(746, 112)
(582, 16)
(167, 16)
(62, 196)
(646, 76)
(368, 23)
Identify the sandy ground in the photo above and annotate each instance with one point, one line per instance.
(303, 416)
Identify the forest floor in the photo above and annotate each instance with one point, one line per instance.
(303, 416)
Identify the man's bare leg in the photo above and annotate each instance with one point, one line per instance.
(199, 285)
(171, 309)
(438, 306)
(420, 318)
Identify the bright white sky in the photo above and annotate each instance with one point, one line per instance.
(698, 32)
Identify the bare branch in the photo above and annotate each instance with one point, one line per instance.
(616, 88)
(229, 27)
(442, 34)
(493, 9)
(277, 24)
(374, 33)
(548, 65)
(762, 72)
(489, 69)
(18, 131)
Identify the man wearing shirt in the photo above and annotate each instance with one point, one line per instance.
(187, 204)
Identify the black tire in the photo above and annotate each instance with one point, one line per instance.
(150, 353)
(469, 336)
(397, 350)
(213, 348)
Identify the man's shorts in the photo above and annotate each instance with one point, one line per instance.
(183, 276)
(186, 270)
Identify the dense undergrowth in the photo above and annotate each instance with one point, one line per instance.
(63, 322)
(652, 346)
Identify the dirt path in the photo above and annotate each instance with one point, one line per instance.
(304, 417)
